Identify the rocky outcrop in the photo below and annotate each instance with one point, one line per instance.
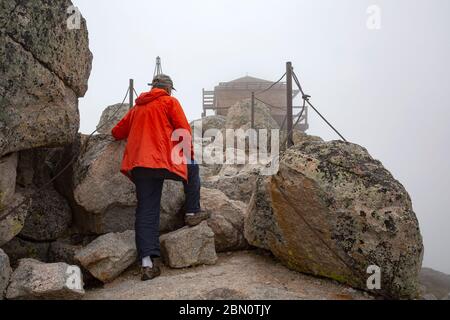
(109, 255)
(36, 280)
(46, 68)
(104, 199)
(333, 211)
(111, 116)
(189, 247)
(226, 220)
(435, 283)
(5, 273)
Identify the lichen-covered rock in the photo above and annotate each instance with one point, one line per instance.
(45, 68)
(49, 216)
(109, 255)
(105, 200)
(34, 280)
(8, 170)
(13, 218)
(226, 220)
(189, 247)
(5, 273)
(111, 116)
(333, 211)
(18, 249)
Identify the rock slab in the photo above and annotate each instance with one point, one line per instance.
(109, 255)
(226, 220)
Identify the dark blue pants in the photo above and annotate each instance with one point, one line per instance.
(149, 185)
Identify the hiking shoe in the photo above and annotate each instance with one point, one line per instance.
(193, 220)
(150, 273)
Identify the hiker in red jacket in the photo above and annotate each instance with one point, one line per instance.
(151, 156)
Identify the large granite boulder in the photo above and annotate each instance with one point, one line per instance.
(34, 280)
(45, 68)
(226, 220)
(189, 247)
(334, 211)
(111, 116)
(109, 255)
(5, 273)
(105, 200)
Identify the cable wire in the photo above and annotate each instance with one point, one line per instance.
(273, 85)
(306, 98)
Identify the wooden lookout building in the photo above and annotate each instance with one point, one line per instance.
(226, 94)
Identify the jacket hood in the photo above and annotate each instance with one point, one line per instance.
(148, 97)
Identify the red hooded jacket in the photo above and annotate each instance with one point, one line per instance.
(149, 127)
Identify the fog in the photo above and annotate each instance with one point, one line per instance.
(386, 89)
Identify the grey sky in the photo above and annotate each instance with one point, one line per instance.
(388, 89)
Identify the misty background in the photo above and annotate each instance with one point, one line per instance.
(387, 90)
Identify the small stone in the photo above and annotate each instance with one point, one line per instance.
(189, 247)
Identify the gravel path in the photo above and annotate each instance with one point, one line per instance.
(241, 275)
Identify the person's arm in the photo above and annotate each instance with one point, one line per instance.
(122, 129)
(178, 120)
